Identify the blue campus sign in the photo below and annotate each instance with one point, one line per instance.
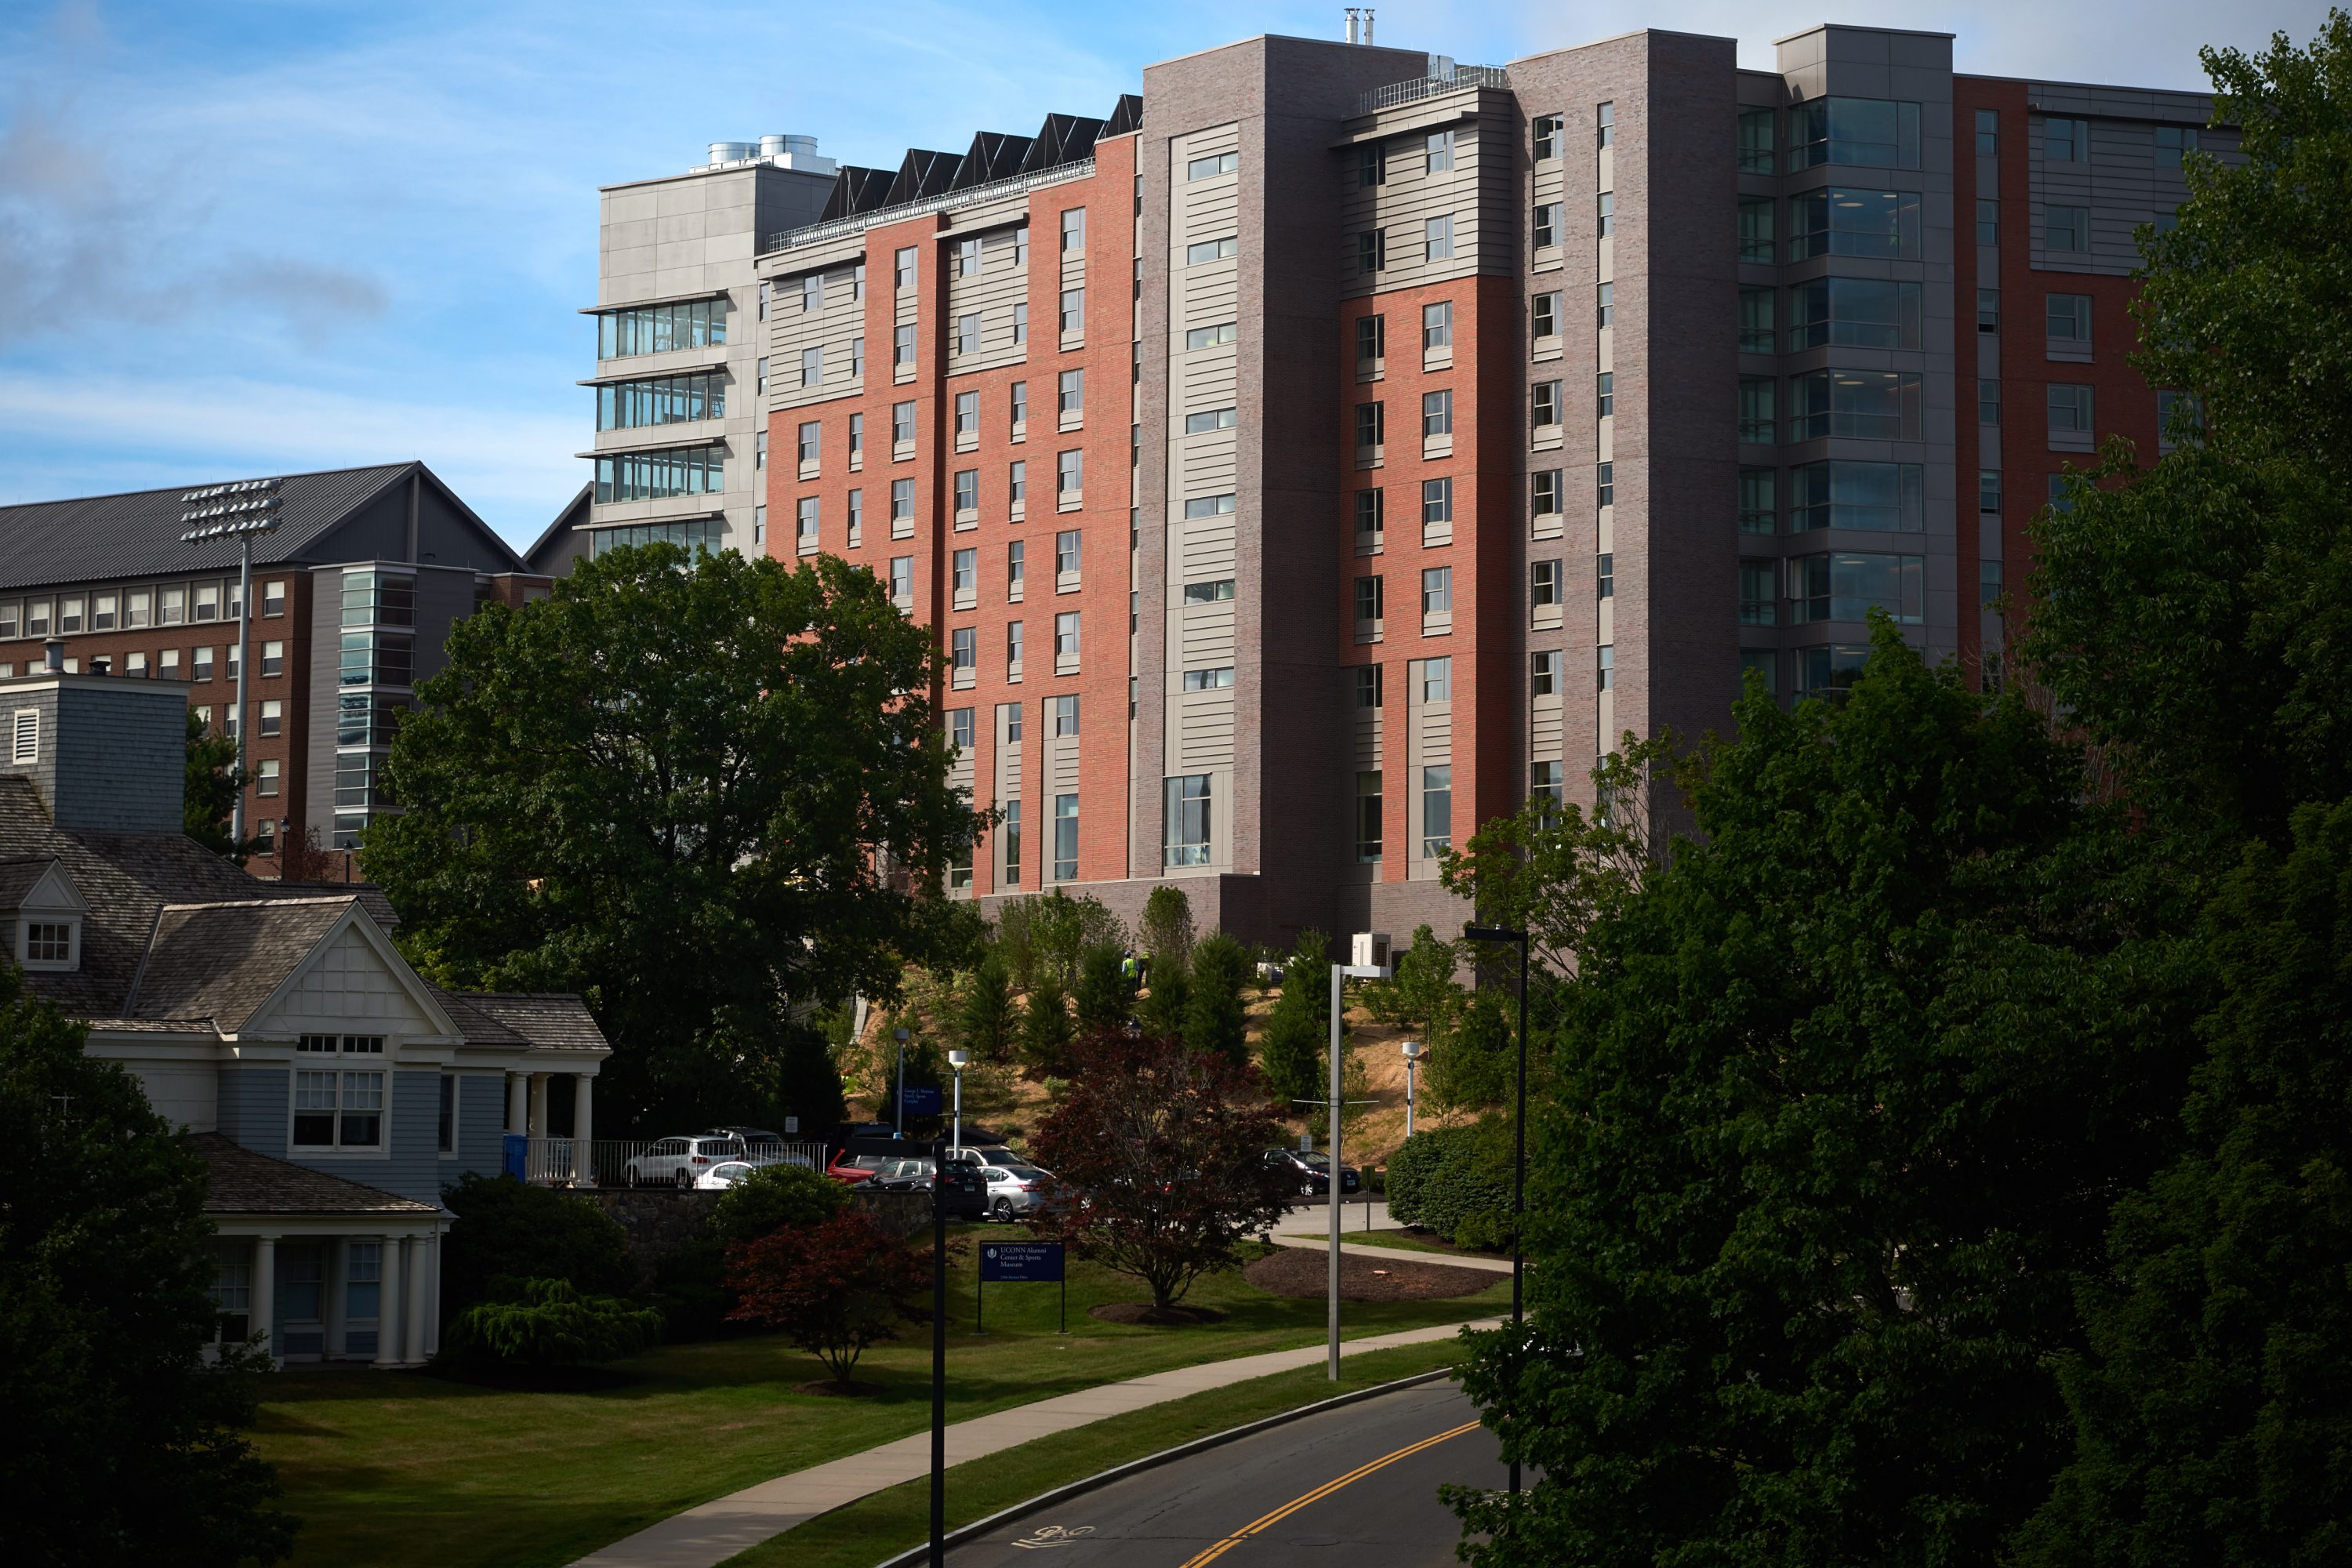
(1021, 1263)
(919, 1101)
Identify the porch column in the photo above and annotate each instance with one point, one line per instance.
(538, 1105)
(262, 1319)
(332, 1322)
(433, 1297)
(388, 1314)
(517, 1103)
(412, 1313)
(583, 1130)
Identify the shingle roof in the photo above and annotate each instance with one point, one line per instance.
(222, 961)
(18, 877)
(246, 1182)
(479, 1027)
(550, 1021)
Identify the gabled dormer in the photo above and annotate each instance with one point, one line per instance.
(43, 912)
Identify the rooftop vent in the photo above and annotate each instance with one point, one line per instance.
(1360, 25)
(781, 151)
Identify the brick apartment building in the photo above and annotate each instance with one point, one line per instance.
(354, 593)
(1334, 446)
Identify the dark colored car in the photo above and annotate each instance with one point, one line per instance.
(1312, 1171)
(967, 1195)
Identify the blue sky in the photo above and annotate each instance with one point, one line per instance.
(261, 237)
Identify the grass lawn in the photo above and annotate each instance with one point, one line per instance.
(414, 1467)
(891, 1521)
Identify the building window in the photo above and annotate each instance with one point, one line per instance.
(857, 518)
(1545, 131)
(1367, 686)
(1369, 428)
(1851, 221)
(2066, 228)
(1887, 497)
(1065, 715)
(1371, 341)
(856, 438)
(1543, 316)
(1437, 238)
(265, 776)
(1543, 584)
(1758, 505)
(1988, 132)
(902, 581)
(667, 400)
(1372, 251)
(273, 716)
(2069, 410)
(1987, 584)
(1988, 400)
(1070, 395)
(1066, 838)
(1756, 416)
(1074, 231)
(339, 1109)
(806, 441)
(967, 334)
(1187, 814)
(1988, 221)
(902, 501)
(1544, 491)
(1864, 404)
(1755, 230)
(812, 367)
(1012, 653)
(1373, 165)
(964, 572)
(1368, 605)
(1436, 502)
(1755, 322)
(1437, 590)
(1223, 249)
(1759, 601)
(1073, 313)
(902, 346)
(1436, 812)
(446, 1141)
(968, 256)
(1069, 475)
(1604, 668)
(1437, 325)
(1016, 565)
(1989, 490)
(1436, 414)
(273, 659)
(1604, 299)
(2070, 319)
(657, 474)
(1604, 575)
(1436, 680)
(902, 422)
(1756, 140)
(1845, 586)
(1437, 152)
(1543, 674)
(1065, 559)
(1545, 229)
(1605, 214)
(1547, 783)
(1604, 484)
(1988, 310)
(902, 268)
(273, 601)
(657, 329)
(1368, 819)
(1853, 312)
(2066, 141)
(759, 449)
(1370, 522)
(1871, 131)
(1208, 420)
(1066, 635)
(2172, 143)
(1217, 337)
(813, 293)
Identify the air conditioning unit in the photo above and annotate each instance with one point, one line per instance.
(1370, 947)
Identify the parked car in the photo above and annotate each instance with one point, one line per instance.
(984, 1154)
(856, 1169)
(677, 1162)
(1312, 1171)
(1013, 1190)
(967, 1192)
(725, 1173)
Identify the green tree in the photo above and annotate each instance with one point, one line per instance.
(2214, 1410)
(1167, 930)
(209, 804)
(1050, 934)
(510, 1229)
(808, 1077)
(120, 1445)
(1476, 1063)
(1216, 1020)
(1423, 995)
(1840, 1100)
(773, 1197)
(2197, 617)
(702, 793)
(1163, 1009)
(986, 1019)
(1106, 993)
(1046, 1029)
(1291, 1051)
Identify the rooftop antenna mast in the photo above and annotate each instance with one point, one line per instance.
(238, 512)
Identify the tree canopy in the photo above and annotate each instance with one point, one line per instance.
(705, 795)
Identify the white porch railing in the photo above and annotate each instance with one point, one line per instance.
(638, 1163)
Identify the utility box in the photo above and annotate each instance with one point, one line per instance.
(1370, 948)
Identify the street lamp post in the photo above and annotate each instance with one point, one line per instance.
(1413, 1049)
(1477, 932)
(899, 1114)
(959, 1060)
(1341, 974)
(239, 512)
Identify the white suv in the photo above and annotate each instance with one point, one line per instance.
(677, 1162)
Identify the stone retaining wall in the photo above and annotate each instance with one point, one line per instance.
(660, 1221)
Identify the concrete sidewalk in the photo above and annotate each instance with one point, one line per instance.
(704, 1536)
(1392, 1254)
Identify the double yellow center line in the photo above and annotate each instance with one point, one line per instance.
(1258, 1526)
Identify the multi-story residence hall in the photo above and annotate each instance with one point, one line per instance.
(1332, 448)
(354, 592)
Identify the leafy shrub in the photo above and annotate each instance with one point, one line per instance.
(546, 1322)
(1473, 1065)
(832, 1289)
(1456, 1182)
(774, 1197)
(506, 1227)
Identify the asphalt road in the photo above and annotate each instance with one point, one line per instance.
(1356, 1486)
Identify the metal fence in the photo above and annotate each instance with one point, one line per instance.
(639, 1163)
(1413, 91)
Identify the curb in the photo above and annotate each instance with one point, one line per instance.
(979, 1527)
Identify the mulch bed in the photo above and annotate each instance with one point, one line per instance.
(1145, 1312)
(1295, 1271)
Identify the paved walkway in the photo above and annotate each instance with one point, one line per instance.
(704, 1536)
(1321, 1243)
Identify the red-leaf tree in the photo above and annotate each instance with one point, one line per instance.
(832, 1289)
(1158, 1158)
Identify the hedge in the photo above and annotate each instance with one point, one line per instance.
(1456, 1182)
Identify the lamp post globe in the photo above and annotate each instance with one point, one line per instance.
(958, 1059)
(1412, 1054)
